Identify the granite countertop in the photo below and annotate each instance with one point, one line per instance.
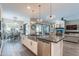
(49, 39)
(43, 38)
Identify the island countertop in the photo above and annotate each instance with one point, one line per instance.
(49, 39)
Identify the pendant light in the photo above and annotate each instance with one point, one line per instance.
(39, 19)
(50, 12)
(32, 15)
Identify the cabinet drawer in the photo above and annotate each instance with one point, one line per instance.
(43, 48)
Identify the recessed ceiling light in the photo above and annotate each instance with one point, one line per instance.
(28, 7)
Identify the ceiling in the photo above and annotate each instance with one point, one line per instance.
(66, 10)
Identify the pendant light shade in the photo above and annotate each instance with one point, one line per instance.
(50, 12)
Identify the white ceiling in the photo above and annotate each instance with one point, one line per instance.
(67, 10)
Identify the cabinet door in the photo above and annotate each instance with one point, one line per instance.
(28, 43)
(46, 49)
(43, 48)
(40, 48)
(34, 47)
(57, 48)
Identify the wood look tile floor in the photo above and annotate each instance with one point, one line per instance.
(70, 49)
(15, 48)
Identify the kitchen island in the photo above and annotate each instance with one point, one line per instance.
(43, 46)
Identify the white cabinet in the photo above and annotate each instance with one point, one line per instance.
(57, 49)
(34, 46)
(44, 48)
(30, 44)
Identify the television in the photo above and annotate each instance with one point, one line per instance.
(71, 27)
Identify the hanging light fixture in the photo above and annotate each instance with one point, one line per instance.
(32, 15)
(39, 19)
(50, 12)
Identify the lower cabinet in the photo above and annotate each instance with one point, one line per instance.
(44, 48)
(34, 47)
(31, 45)
(57, 48)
